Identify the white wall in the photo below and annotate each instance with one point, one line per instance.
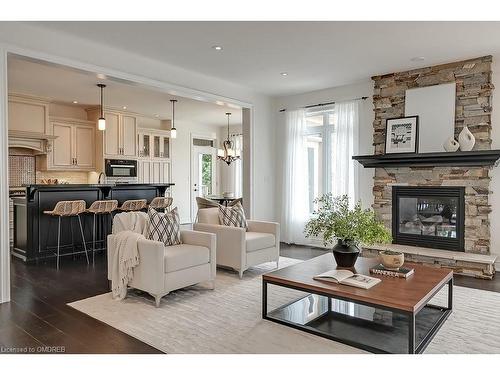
(65, 46)
(366, 117)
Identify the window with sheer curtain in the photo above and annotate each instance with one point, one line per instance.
(319, 145)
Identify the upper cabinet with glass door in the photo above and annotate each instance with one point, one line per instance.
(154, 144)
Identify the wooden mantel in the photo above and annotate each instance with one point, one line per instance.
(432, 159)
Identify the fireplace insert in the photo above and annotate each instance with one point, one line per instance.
(429, 216)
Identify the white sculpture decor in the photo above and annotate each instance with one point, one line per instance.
(466, 139)
(451, 145)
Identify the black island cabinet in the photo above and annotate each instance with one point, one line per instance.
(35, 233)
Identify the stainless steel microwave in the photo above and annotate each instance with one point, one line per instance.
(120, 168)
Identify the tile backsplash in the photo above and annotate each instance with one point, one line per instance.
(21, 170)
(71, 177)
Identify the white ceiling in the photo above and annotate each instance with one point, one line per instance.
(316, 55)
(63, 84)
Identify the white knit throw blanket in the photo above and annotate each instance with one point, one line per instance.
(126, 257)
(128, 229)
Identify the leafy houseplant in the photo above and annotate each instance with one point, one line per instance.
(335, 221)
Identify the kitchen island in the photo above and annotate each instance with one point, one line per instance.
(35, 233)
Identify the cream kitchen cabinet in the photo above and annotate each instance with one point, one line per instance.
(154, 156)
(154, 144)
(28, 114)
(74, 145)
(120, 135)
(154, 171)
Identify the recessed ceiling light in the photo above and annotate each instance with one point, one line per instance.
(284, 74)
(418, 58)
(157, 115)
(124, 107)
(217, 48)
(75, 101)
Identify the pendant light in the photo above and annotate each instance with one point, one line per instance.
(227, 154)
(101, 123)
(173, 130)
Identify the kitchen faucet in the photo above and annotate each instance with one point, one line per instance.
(102, 174)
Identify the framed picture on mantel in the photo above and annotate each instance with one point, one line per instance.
(401, 135)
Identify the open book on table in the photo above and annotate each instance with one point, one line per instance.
(346, 277)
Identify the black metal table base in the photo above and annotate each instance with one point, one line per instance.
(371, 327)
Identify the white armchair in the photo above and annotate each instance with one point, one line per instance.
(237, 248)
(163, 269)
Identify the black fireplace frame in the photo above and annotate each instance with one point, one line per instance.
(454, 244)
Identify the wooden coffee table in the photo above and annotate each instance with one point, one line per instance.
(392, 317)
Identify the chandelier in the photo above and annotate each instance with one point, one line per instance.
(227, 153)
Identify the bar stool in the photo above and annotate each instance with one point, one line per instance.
(133, 205)
(161, 203)
(100, 208)
(68, 209)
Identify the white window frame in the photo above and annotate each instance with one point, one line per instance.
(326, 131)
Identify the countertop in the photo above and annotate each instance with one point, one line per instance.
(44, 186)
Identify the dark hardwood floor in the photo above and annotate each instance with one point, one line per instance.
(38, 320)
(37, 316)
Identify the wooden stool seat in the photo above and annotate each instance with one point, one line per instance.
(67, 208)
(134, 205)
(159, 203)
(103, 207)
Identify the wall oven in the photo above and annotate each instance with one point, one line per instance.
(121, 170)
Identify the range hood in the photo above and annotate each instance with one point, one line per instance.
(40, 143)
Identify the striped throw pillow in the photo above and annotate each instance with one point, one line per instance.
(164, 227)
(233, 216)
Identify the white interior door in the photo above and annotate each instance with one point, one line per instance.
(203, 174)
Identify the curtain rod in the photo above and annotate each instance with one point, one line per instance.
(323, 104)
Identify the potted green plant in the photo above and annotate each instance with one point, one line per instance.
(335, 221)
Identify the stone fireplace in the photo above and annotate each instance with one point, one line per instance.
(474, 182)
(471, 184)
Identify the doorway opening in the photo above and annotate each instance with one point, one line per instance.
(203, 171)
(77, 156)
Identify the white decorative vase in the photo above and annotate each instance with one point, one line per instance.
(451, 145)
(466, 139)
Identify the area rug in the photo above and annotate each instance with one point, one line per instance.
(228, 319)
